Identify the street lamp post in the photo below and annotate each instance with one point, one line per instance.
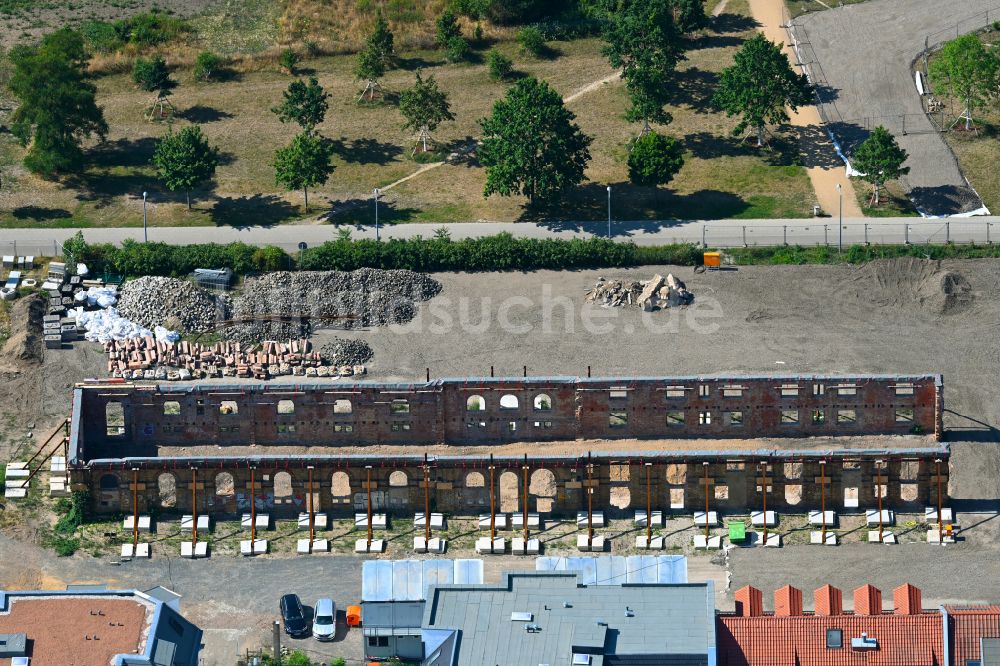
(145, 235)
(840, 218)
(609, 211)
(376, 193)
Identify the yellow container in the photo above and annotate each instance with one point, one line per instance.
(713, 259)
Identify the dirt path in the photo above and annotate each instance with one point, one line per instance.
(721, 7)
(591, 86)
(825, 170)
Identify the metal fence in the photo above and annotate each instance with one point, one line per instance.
(831, 234)
(32, 248)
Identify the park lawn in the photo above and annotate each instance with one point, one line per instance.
(721, 177)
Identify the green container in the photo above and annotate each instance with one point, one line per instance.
(737, 532)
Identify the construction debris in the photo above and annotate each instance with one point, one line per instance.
(149, 359)
(176, 304)
(341, 351)
(654, 294)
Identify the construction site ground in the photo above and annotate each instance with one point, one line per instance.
(902, 316)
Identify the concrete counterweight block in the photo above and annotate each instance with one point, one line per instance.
(256, 547)
(318, 546)
(597, 519)
(140, 551)
(656, 542)
(194, 551)
(640, 518)
(497, 546)
(710, 543)
(499, 520)
(319, 521)
(376, 546)
(816, 537)
(597, 544)
(522, 546)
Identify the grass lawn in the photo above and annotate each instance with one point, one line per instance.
(721, 177)
(892, 200)
(977, 151)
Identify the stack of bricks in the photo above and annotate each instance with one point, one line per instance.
(147, 358)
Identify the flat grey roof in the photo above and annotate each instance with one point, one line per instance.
(391, 615)
(657, 619)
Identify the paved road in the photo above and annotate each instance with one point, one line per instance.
(864, 53)
(718, 233)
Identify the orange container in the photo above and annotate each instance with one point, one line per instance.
(354, 616)
(713, 259)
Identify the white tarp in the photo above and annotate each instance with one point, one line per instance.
(106, 325)
(104, 297)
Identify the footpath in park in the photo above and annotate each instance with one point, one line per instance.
(825, 168)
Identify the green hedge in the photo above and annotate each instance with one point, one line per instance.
(856, 254)
(502, 252)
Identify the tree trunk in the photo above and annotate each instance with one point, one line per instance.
(760, 136)
(188, 194)
(877, 188)
(305, 191)
(968, 118)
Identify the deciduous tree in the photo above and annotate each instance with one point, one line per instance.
(531, 145)
(759, 85)
(424, 106)
(644, 43)
(654, 159)
(969, 72)
(690, 15)
(879, 159)
(304, 163)
(57, 106)
(303, 103)
(151, 74)
(185, 160)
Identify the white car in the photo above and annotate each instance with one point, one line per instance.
(325, 620)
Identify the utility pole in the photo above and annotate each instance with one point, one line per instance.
(145, 235)
(376, 192)
(609, 211)
(840, 217)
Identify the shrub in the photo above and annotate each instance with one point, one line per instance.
(150, 28)
(532, 41)
(207, 66)
(498, 65)
(288, 60)
(101, 36)
(311, 47)
(150, 74)
(654, 159)
(458, 49)
(447, 29)
(65, 546)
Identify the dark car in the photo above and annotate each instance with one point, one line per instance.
(293, 615)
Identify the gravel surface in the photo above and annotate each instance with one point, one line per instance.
(341, 351)
(314, 299)
(865, 51)
(175, 304)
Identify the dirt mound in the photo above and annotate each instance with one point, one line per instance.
(910, 282)
(24, 347)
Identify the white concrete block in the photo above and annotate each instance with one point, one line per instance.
(255, 547)
(437, 520)
(318, 546)
(500, 521)
(699, 518)
(319, 521)
(145, 523)
(773, 541)
(18, 473)
(498, 546)
(887, 537)
(758, 519)
(263, 521)
(817, 538)
(872, 517)
(933, 536)
(520, 546)
(203, 523)
(596, 544)
(437, 545)
(655, 543)
(851, 503)
(362, 546)
(517, 520)
(380, 521)
(640, 518)
(16, 464)
(194, 551)
(711, 543)
(597, 519)
(419, 544)
(817, 517)
(15, 493)
(930, 515)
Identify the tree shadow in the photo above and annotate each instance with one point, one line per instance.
(40, 213)
(256, 210)
(944, 199)
(361, 212)
(200, 113)
(727, 23)
(815, 148)
(780, 150)
(462, 151)
(714, 41)
(364, 150)
(411, 64)
(694, 88)
(123, 152)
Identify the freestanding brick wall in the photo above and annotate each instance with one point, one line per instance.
(116, 431)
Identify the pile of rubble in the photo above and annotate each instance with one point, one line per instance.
(300, 302)
(341, 351)
(147, 358)
(176, 304)
(654, 294)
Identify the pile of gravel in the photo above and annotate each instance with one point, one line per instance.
(305, 300)
(341, 351)
(176, 304)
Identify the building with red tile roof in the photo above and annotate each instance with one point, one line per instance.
(967, 627)
(908, 636)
